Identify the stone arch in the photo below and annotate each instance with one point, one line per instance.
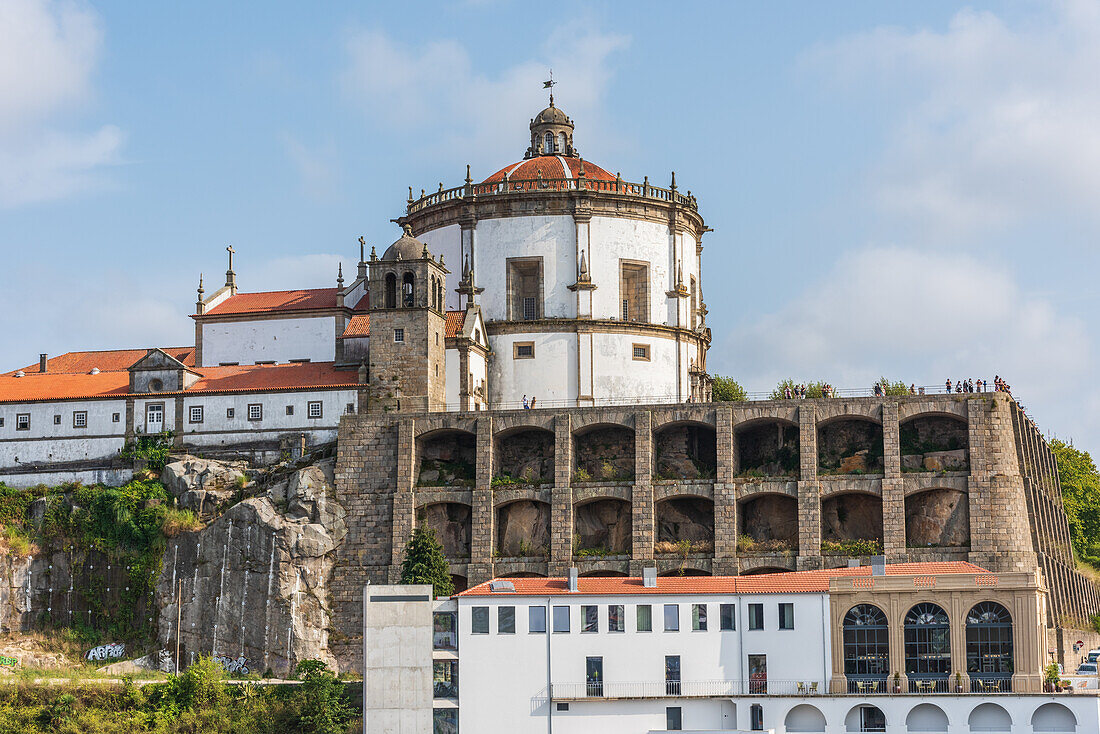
(602, 527)
(447, 458)
(524, 455)
(451, 523)
(768, 447)
(603, 452)
(927, 637)
(408, 290)
(934, 442)
(391, 290)
(680, 519)
(768, 522)
(989, 646)
(685, 450)
(805, 718)
(926, 718)
(849, 444)
(1053, 717)
(865, 717)
(851, 516)
(937, 517)
(989, 717)
(523, 529)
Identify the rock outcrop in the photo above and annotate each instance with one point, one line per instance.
(523, 529)
(202, 485)
(603, 524)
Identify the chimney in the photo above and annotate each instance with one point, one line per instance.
(853, 563)
(573, 574)
(878, 565)
(42, 363)
(649, 578)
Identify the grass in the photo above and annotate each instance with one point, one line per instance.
(178, 521)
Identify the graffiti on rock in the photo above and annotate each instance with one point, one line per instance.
(106, 652)
(239, 666)
(4, 660)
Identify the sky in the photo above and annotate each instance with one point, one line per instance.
(909, 190)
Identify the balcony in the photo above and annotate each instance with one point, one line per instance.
(683, 689)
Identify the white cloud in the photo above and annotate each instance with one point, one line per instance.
(48, 51)
(432, 92)
(994, 123)
(318, 168)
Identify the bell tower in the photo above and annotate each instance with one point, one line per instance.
(407, 364)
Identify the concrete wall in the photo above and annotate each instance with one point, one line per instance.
(397, 655)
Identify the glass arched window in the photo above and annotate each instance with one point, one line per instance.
(561, 142)
(927, 642)
(391, 290)
(988, 640)
(408, 291)
(548, 143)
(866, 642)
(439, 295)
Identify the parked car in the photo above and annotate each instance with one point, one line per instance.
(1086, 669)
(1093, 656)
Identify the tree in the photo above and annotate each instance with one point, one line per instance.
(324, 708)
(893, 388)
(425, 563)
(1081, 498)
(813, 389)
(727, 390)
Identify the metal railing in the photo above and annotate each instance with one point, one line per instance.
(990, 683)
(927, 685)
(867, 685)
(684, 689)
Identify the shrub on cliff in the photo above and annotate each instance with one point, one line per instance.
(425, 563)
(1081, 498)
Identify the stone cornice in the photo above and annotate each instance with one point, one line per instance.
(589, 326)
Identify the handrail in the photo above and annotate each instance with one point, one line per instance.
(539, 185)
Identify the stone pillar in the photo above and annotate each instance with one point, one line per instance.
(725, 530)
(642, 517)
(404, 501)
(726, 444)
(893, 492)
(482, 514)
(809, 491)
(561, 498)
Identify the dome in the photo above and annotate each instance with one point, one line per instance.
(551, 116)
(551, 167)
(406, 248)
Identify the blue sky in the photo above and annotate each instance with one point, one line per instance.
(907, 189)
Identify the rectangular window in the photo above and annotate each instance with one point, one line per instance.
(444, 631)
(444, 721)
(561, 619)
(756, 616)
(674, 718)
(524, 287)
(641, 353)
(727, 620)
(195, 414)
(228, 364)
(756, 718)
(672, 675)
(22, 421)
(786, 616)
(634, 290)
(399, 335)
(350, 408)
(645, 618)
(116, 417)
(590, 617)
(699, 617)
(479, 621)
(265, 361)
(523, 350)
(304, 360)
(536, 619)
(1, 421)
(672, 618)
(80, 419)
(445, 679)
(593, 676)
(626, 309)
(290, 410)
(230, 412)
(506, 620)
(57, 420)
(255, 412)
(615, 621)
(315, 409)
(529, 311)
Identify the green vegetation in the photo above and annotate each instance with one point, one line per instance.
(813, 389)
(152, 449)
(893, 388)
(197, 700)
(853, 547)
(425, 563)
(727, 390)
(1081, 498)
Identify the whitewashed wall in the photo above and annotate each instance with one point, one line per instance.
(47, 442)
(446, 241)
(219, 430)
(280, 340)
(551, 375)
(552, 238)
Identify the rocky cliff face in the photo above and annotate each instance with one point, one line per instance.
(251, 585)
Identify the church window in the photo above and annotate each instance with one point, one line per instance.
(255, 412)
(525, 288)
(315, 409)
(548, 143)
(634, 290)
(23, 422)
(641, 352)
(80, 419)
(399, 336)
(523, 350)
(408, 291)
(195, 414)
(391, 290)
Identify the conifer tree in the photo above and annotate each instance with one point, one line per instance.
(425, 563)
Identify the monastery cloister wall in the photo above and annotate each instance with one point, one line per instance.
(719, 488)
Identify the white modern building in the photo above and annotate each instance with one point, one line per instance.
(906, 648)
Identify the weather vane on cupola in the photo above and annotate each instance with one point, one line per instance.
(549, 84)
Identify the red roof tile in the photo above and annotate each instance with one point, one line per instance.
(363, 304)
(771, 583)
(550, 166)
(359, 326)
(455, 322)
(111, 360)
(276, 301)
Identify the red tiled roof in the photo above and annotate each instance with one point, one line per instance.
(245, 378)
(363, 304)
(770, 583)
(275, 301)
(550, 166)
(112, 360)
(359, 326)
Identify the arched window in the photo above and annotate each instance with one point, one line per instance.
(439, 295)
(431, 291)
(548, 143)
(561, 142)
(927, 647)
(408, 291)
(391, 290)
(989, 646)
(866, 646)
